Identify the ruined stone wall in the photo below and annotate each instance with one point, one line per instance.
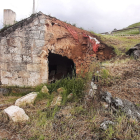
(25, 46)
(20, 48)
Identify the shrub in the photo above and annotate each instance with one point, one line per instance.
(71, 85)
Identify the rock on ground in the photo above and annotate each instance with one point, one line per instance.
(94, 86)
(4, 91)
(56, 101)
(106, 96)
(70, 96)
(60, 90)
(27, 99)
(16, 114)
(135, 51)
(105, 124)
(45, 90)
(129, 108)
(64, 112)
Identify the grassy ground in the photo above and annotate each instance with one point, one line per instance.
(80, 117)
(120, 43)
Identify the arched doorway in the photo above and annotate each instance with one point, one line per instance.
(60, 67)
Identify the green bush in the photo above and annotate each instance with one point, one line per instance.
(74, 85)
(71, 85)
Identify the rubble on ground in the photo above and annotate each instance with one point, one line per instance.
(28, 99)
(134, 51)
(104, 125)
(45, 90)
(130, 109)
(16, 114)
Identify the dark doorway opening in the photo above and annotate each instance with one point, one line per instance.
(60, 67)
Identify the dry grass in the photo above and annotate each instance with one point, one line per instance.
(128, 84)
(120, 76)
(84, 123)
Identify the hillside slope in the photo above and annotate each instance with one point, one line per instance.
(134, 25)
(80, 118)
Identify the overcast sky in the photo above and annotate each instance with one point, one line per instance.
(96, 15)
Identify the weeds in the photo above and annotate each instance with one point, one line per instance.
(117, 51)
(104, 73)
(109, 132)
(71, 85)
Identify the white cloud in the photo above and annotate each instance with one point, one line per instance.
(97, 15)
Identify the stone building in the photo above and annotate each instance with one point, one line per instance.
(40, 47)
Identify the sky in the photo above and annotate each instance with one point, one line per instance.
(93, 15)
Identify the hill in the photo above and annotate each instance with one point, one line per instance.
(134, 25)
(130, 30)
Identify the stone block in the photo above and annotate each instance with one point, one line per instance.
(7, 58)
(24, 81)
(22, 34)
(6, 74)
(1, 49)
(34, 34)
(15, 82)
(27, 99)
(56, 101)
(34, 79)
(17, 67)
(4, 81)
(43, 80)
(27, 59)
(36, 22)
(43, 21)
(16, 58)
(34, 28)
(24, 74)
(3, 66)
(1, 59)
(36, 59)
(16, 114)
(42, 27)
(45, 90)
(42, 35)
(33, 67)
(27, 41)
(3, 41)
(17, 42)
(14, 50)
(39, 43)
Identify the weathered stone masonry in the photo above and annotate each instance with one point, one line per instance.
(25, 46)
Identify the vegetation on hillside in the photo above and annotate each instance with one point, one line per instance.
(134, 25)
(120, 43)
(127, 32)
(79, 118)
